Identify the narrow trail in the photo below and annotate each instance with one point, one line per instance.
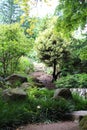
(53, 126)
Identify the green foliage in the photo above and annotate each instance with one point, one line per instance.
(83, 123)
(52, 50)
(12, 112)
(39, 106)
(79, 102)
(13, 44)
(29, 26)
(72, 81)
(25, 65)
(50, 47)
(9, 11)
(72, 15)
(45, 23)
(75, 63)
(79, 48)
(83, 53)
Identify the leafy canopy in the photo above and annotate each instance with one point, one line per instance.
(71, 15)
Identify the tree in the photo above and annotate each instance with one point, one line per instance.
(29, 27)
(83, 51)
(71, 15)
(13, 44)
(10, 11)
(51, 50)
(78, 64)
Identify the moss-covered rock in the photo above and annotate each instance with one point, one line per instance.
(63, 92)
(83, 123)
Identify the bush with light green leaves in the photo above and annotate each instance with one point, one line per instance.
(25, 65)
(13, 44)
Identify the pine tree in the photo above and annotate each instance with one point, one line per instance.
(9, 11)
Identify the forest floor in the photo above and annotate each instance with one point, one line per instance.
(68, 125)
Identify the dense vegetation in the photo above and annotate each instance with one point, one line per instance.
(59, 41)
(72, 81)
(39, 106)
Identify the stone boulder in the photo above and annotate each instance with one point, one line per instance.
(15, 79)
(78, 115)
(37, 82)
(64, 93)
(14, 94)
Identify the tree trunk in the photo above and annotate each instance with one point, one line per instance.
(54, 71)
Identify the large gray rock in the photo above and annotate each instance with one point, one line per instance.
(78, 115)
(64, 93)
(16, 79)
(14, 94)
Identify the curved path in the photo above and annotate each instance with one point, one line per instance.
(53, 126)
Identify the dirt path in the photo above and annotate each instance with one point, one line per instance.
(53, 126)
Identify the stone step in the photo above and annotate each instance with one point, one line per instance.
(77, 115)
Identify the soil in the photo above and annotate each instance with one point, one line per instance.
(54, 126)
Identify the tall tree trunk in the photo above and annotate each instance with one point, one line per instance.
(56, 73)
(54, 70)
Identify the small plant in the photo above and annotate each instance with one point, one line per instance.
(83, 123)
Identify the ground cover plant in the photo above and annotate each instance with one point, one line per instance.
(72, 81)
(39, 106)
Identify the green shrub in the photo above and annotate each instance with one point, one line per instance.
(72, 81)
(83, 123)
(25, 65)
(13, 44)
(45, 106)
(79, 102)
(39, 106)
